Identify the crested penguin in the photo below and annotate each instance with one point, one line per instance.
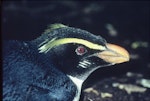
(54, 66)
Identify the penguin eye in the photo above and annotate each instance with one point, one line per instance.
(81, 50)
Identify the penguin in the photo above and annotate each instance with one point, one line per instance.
(54, 66)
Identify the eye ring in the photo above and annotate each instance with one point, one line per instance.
(80, 50)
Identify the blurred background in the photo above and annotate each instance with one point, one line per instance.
(125, 23)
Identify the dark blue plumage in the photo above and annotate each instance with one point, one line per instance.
(27, 77)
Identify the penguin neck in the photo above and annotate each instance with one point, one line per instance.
(78, 82)
(83, 74)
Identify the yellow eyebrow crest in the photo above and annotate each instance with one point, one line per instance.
(53, 43)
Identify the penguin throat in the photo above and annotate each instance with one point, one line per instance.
(78, 83)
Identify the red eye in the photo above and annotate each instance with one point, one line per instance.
(81, 50)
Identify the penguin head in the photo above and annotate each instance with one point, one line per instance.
(78, 52)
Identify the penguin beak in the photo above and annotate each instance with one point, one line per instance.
(114, 54)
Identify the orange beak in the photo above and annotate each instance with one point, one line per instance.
(114, 54)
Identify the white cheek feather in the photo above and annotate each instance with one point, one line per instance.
(84, 64)
(85, 61)
(78, 83)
